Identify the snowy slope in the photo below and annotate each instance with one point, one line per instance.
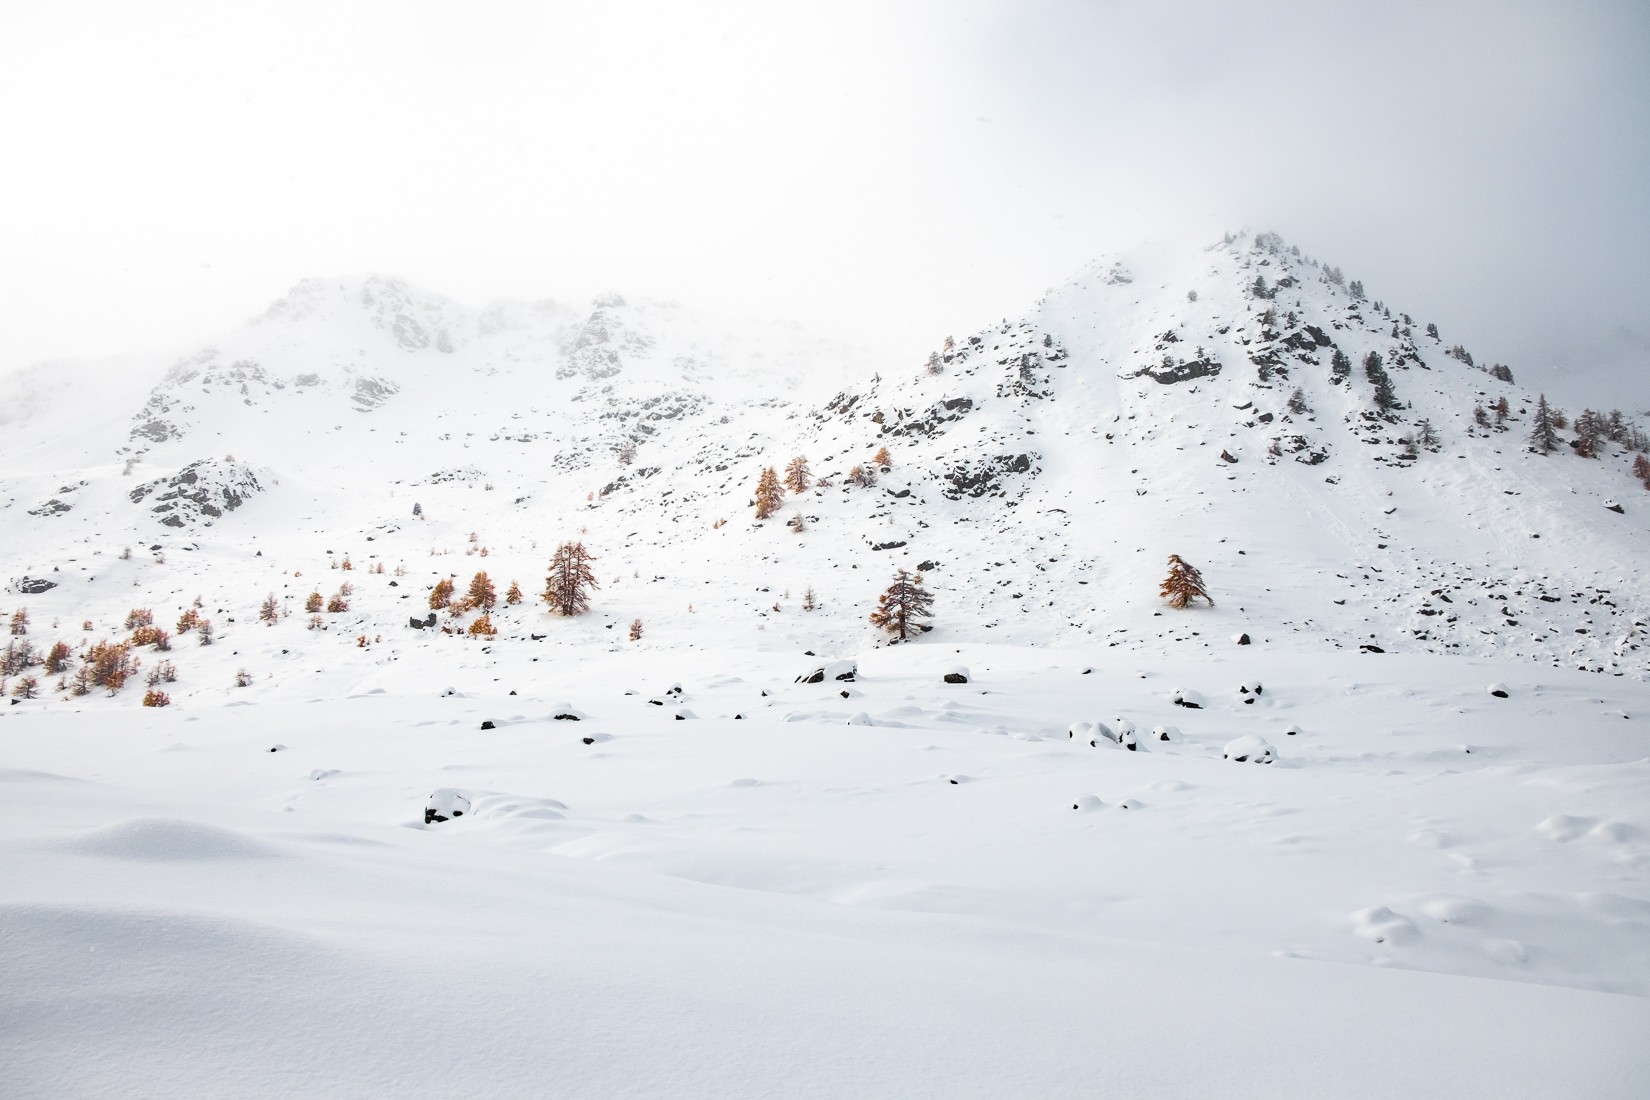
(718, 881)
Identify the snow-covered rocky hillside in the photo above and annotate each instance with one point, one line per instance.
(1374, 823)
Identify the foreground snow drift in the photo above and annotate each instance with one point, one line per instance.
(1433, 891)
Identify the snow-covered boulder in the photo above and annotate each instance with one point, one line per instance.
(1498, 690)
(444, 805)
(835, 670)
(956, 674)
(1162, 732)
(1191, 700)
(1087, 803)
(1122, 735)
(1248, 749)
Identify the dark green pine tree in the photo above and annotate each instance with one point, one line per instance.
(1543, 437)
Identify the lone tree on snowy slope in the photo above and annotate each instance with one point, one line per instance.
(1183, 584)
(567, 588)
(904, 602)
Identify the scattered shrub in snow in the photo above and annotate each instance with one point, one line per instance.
(154, 697)
(314, 602)
(270, 610)
(338, 604)
(138, 616)
(482, 627)
(635, 630)
(1183, 584)
(567, 588)
(20, 622)
(902, 604)
(769, 493)
(440, 596)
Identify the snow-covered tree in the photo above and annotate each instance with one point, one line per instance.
(440, 596)
(567, 588)
(1183, 584)
(1340, 366)
(797, 476)
(902, 604)
(769, 493)
(481, 593)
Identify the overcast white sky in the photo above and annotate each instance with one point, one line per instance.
(894, 171)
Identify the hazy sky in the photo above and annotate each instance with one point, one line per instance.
(894, 170)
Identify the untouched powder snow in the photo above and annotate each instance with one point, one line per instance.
(355, 856)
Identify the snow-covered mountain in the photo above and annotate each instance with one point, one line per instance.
(1373, 824)
(1040, 469)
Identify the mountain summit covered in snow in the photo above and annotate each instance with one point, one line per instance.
(1342, 474)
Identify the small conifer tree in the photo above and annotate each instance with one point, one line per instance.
(567, 588)
(883, 458)
(797, 476)
(270, 610)
(314, 602)
(440, 596)
(513, 594)
(635, 630)
(902, 604)
(1543, 433)
(1340, 366)
(481, 593)
(20, 622)
(809, 603)
(1183, 584)
(1297, 402)
(1641, 470)
(483, 627)
(769, 493)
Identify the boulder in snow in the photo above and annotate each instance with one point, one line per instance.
(444, 805)
(1248, 749)
(956, 674)
(1498, 690)
(835, 670)
(1241, 639)
(1191, 700)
